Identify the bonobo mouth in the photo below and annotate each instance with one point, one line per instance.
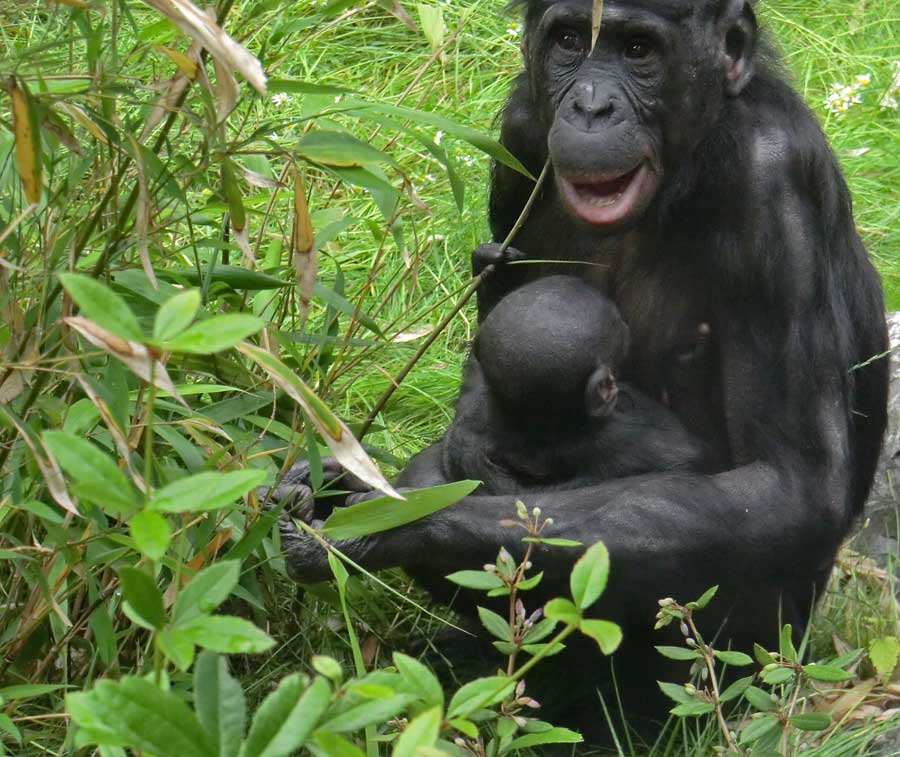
(608, 200)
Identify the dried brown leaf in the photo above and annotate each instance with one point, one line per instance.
(303, 255)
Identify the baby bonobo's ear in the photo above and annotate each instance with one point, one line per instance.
(601, 392)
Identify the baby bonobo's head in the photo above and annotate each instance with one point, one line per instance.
(552, 348)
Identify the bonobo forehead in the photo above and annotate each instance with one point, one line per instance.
(670, 10)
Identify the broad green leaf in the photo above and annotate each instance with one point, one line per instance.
(206, 590)
(134, 713)
(539, 631)
(736, 689)
(230, 275)
(482, 692)
(385, 513)
(421, 731)
(704, 600)
(826, 673)
(102, 305)
(884, 654)
(777, 676)
(476, 579)
(151, 533)
(494, 623)
(142, 593)
(224, 633)
(607, 634)
(550, 736)
(692, 710)
(373, 712)
(176, 315)
(332, 745)
(328, 667)
(562, 610)
(758, 728)
(221, 332)
(530, 583)
(7, 726)
(786, 644)
(333, 430)
(205, 491)
(738, 659)
(759, 699)
(86, 464)
(28, 690)
(337, 148)
(589, 576)
(178, 647)
(419, 680)
(762, 656)
(338, 302)
(286, 717)
(811, 721)
(220, 704)
(676, 693)
(679, 653)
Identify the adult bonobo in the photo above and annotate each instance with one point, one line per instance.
(701, 187)
(543, 408)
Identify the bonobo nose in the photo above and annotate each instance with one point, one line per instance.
(591, 105)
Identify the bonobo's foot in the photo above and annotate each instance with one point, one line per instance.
(502, 279)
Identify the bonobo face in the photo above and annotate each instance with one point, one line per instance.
(622, 116)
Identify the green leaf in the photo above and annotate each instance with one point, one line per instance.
(607, 634)
(224, 633)
(589, 576)
(736, 689)
(421, 731)
(553, 541)
(205, 491)
(384, 513)
(134, 713)
(221, 332)
(102, 305)
(332, 745)
(777, 676)
(373, 712)
(826, 673)
(811, 721)
(328, 667)
(539, 631)
(142, 593)
(759, 699)
(704, 600)
(762, 656)
(693, 710)
(85, 463)
(482, 692)
(337, 148)
(738, 659)
(786, 644)
(550, 736)
(679, 653)
(176, 315)
(151, 533)
(884, 654)
(232, 276)
(530, 583)
(466, 727)
(759, 728)
(562, 610)
(177, 647)
(676, 693)
(220, 704)
(7, 726)
(286, 718)
(419, 680)
(494, 623)
(480, 580)
(28, 690)
(206, 590)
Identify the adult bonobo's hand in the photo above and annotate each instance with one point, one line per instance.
(307, 558)
(499, 282)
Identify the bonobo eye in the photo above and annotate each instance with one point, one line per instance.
(568, 40)
(639, 48)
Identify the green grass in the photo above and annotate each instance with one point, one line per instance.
(105, 62)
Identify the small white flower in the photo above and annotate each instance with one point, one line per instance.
(438, 137)
(514, 30)
(863, 80)
(280, 98)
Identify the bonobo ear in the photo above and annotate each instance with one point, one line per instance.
(739, 45)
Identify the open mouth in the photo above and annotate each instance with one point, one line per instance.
(605, 200)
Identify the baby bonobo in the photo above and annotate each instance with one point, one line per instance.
(547, 411)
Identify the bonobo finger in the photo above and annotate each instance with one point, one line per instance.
(297, 498)
(491, 253)
(334, 472)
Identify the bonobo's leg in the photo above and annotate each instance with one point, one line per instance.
(501, 280)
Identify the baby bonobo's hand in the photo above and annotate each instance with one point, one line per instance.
(491, 253)
(501, 279)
